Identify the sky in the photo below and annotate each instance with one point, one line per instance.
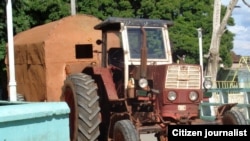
(241, 29)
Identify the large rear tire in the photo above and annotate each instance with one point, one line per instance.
(80, 93)
(234, 117)
(124, 130)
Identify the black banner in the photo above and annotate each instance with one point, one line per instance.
(208, 132)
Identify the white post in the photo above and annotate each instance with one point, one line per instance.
(73, 7)
(200, 47)
(12, 81)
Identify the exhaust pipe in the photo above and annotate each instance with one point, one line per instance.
(144, 52)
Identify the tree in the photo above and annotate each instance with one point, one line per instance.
(30, 13)
(27, 14)
(106, 8)
(3, 30)
(219, 28)
(187, 17)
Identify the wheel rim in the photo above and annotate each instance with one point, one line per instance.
(229, 120)
(119, 137)
(234, 117)
(69, 98)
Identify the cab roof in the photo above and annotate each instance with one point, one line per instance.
(113, 23)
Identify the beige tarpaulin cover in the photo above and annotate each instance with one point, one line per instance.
(43, 52)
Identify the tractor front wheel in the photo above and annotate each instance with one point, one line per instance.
(124, 130)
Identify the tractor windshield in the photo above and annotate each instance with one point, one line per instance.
(155, 43)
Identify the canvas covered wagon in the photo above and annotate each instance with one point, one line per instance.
(45, 54)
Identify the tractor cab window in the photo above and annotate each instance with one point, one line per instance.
(116, 57)
(155, 44)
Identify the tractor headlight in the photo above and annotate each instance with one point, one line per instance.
(207, 84)
(143, 82)
(172, 95)
(193, 95)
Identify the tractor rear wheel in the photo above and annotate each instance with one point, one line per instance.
(234, 117)
(80, 93)
(124, 130)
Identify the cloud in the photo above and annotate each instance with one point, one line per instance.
(238, 29)
(241, 47)
(241, 29)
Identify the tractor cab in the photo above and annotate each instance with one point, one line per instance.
(127, 33)
(134, 43)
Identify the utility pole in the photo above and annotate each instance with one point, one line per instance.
(12, 80)
(200, 47)
(73, 7)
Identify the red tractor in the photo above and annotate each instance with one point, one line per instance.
(137, 89)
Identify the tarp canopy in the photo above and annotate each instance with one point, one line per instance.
(43, 52)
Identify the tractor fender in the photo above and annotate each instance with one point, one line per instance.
(107, 79)
(225, 107)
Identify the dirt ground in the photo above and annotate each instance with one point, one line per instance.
(147, 137)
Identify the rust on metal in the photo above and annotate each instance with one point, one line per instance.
(144, 54)
(107, 78)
